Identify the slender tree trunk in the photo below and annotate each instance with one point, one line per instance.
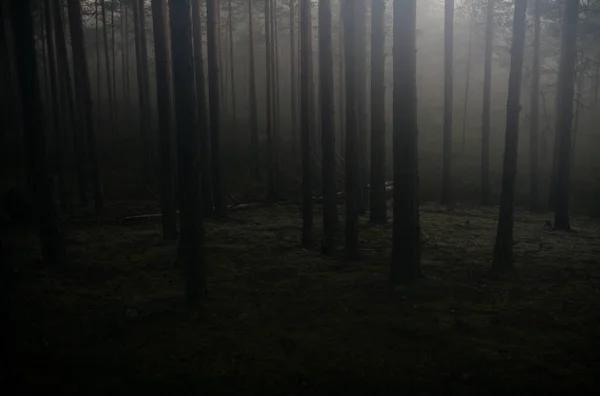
(109, 82)
(83, 94)
(191, 240)
(352, 164)
(276, 81)
(362, 103)
(327, 125)
(448, 102)
(214, 109)
(50, 234)
(377, 201)
(163, 94)
(564, 117)
(487, 99)
(534, 113)
(305, 121)
(231, 63)
(271, 172)
(467, 87)
(252, 91)
(596, 83)
(342, 81)
(406, 250)
(578, 110)
(503, 250)
(293, 81)
(126, 62)
(97, 39)
(114, 62)
(207, 197)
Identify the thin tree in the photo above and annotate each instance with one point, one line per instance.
(83, 94)
(114, 60)
(351, 161)
(534, 112)
(467, 86)
(293, 80)
(406, 249)
(53, 249)
(564, 117)
(97, 40)
(163, 94)
(191, 240)
(503, 250)
(207, 197)
(448, 102)
(305, 121)
(109, 82)
(360, 78)
(125, 56)
(212, 10)
(377, 199)
(231, 61)
(327, 125)
(252, 92)
(271, 170)
(341, 80)
(487, 100)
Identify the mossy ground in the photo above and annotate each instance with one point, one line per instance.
(283, 320)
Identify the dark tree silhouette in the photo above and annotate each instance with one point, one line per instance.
(163, 93)
(406, 250)
(252, 92)
(109, 75)
(271, 162)
(448, 101)
(487, 101)
(305, 121)
(503, 250)
(191, 239)
(53, 249)
(293, 80)
(361, 97)
(534, 112)
(377, 199)
(564, 117)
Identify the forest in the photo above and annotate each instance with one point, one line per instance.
(300, 197)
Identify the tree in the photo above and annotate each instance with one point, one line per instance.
(503, 250)
(53, 249)
(252, 92)
(231, 61)
(271, 162)
(377, 199)
(207, 197)
(352, 175)
(109, 77)
(191, 239)
(534, 112)
(360, 79)
(214, 106)
(406, 249)
(83, 93)
(327, 124)
(487, 100)
(293, 80)
(564, 117)
(163, 94)
(305, 122)
(448, 101)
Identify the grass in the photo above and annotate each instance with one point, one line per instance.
(282, 320)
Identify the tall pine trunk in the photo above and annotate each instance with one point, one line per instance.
(214, 79)
(305, 121)
(448, 102)
(53, 249)
(406, 249)
(271, 171)
(83, 94)
(487, 101)
(252, 92)
(564, 117)
(503, 250)
(534, 113)
(207, 193)
(360, 79)
(293, 82)
(231, 63)
(377, 199)
(164, 100)
(191, 241)
(109, 82)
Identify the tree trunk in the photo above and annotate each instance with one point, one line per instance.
(564, 116)
(252, 99)
(360, 78)
(534, 113)
(83, 94)
(487, 100)
(126, 62)
(163, 94)
(377, 200)
(191, 240)
(214, 109)
(207, 197)
(467, 88)
(341, 82)
(293, 82)
(114, 62)
(109, 82)
(271, 171)
(305, 121)
(231, 64)
(327, 125)
(352, 164)
(503, 250)
(448, 102)
(53, 249)
(97, 39)
(406, 239)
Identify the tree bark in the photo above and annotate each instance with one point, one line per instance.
(377, 199)
(53, 249)
(361, 98)
(305, 120)
(252, 91)
(406, 239)
(487, 99)
(271, 170)
(293, 81)
(534, 113)
(109, 82)
(503, 250)
(191, 240)
(231, 63)
(448, 102)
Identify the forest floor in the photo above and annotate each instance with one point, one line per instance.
(286, 321)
